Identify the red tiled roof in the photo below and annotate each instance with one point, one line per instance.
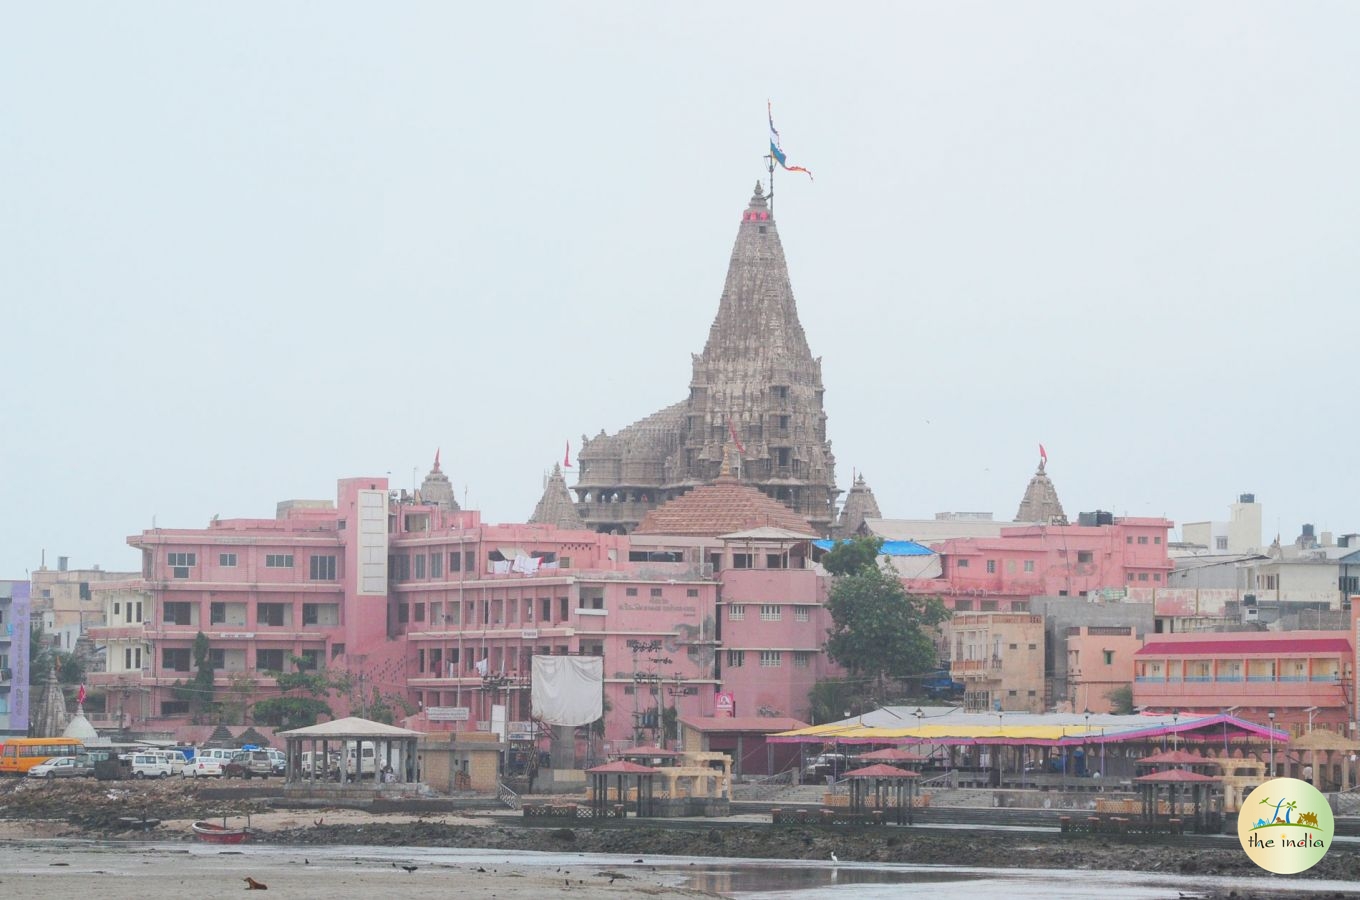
(1270, 646)
(622, 767)
(721, 507)
(1176, 775)
(881, 771)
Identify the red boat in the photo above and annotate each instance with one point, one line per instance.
(221, 834)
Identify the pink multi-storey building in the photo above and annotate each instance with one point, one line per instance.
(1127, 557)
(424, 603)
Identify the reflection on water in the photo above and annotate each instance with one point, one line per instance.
(776, 880)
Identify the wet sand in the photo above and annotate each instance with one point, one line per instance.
(141, 872)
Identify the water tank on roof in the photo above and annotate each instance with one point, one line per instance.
(1246, 498)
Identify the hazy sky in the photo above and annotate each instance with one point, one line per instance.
(247, 249)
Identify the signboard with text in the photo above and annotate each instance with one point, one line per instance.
(724, 704)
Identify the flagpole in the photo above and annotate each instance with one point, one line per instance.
(770, 163)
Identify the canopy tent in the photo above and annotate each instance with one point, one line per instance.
(889, 548)
(954, 727)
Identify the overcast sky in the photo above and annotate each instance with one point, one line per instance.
(247, 249)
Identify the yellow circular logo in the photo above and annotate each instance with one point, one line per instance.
(1285, 826)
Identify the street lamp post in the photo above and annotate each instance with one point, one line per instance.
(1175, 720)
(1271, 715)
(1086, 742)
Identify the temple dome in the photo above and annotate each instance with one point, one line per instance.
(436, 488)
(80, 727)
(721, 507)
(555, 506)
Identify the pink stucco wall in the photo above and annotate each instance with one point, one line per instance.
(993, 574)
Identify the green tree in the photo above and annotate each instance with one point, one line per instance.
(831, 699)
(201, 705)
(1121, 700)
(852, 556)
(878, 629)
(43, 655)
(292, 712)
(236, 708)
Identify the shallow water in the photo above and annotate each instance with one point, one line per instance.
(744, 879)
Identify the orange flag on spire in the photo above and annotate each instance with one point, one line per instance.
(732, 430)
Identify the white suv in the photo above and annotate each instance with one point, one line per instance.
(150, 765)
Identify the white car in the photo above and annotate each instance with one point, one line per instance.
(203, 767)
(61, 767)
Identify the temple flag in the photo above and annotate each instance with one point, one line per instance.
(1043, 454)
(732, 430)
(80, 695)
(566, 459)
(776, 150)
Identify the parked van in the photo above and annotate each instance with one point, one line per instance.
(175, 759)
(222, 754)
(150, 765)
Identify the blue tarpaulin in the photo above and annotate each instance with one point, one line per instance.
(890, 548)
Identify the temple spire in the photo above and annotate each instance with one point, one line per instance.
(1040, 503)
(555, 506)
(437, 489)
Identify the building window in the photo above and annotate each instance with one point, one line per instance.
(736, 613)
(1156, 576)
(962, 564)
(420, 565)
(470, 561)
(177, 613)
(774, 561)
(1015, 646)
(269, 660)
(1129, 539)
(226, 560)
(420, 612)
(1142, 539)
(547, 608)
(1109, 657)
(269, 614)
(991, 567)
(801, 658)
(563, 608)
(1157, 540)
(989, 606)
(1142, 576)
(769, 613)
(175, 659)
(174, 707)
(736, 658)
(1029, 565)
(337, 650)
(217, 658)
(309, 661)
(962, 604)
(656, 592)
(323, 568)
(741, 560)
(455, 561)
(217, 613)
(630, 592)
(800, 613)
(1032, 646)
(691, 592)
(278, 561)
(1130, 576)
(1085, 556)
(180, 563)
(1221, 543)
(436, 565)
(770, 659)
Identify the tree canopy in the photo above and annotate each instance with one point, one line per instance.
(879, 630)
(854, 555)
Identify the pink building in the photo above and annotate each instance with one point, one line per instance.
(424, 603)
(1126, 557)
(1303, 677)
(1099, 659)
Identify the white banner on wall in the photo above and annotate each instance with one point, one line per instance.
(568, 690)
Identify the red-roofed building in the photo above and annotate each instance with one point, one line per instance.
(1302, 676)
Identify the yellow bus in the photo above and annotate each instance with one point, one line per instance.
(21, 754)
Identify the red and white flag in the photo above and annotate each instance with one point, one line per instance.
(1043, 454)
(566, 459)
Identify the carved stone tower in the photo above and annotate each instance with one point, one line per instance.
(1040, 503)
(756, 380)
